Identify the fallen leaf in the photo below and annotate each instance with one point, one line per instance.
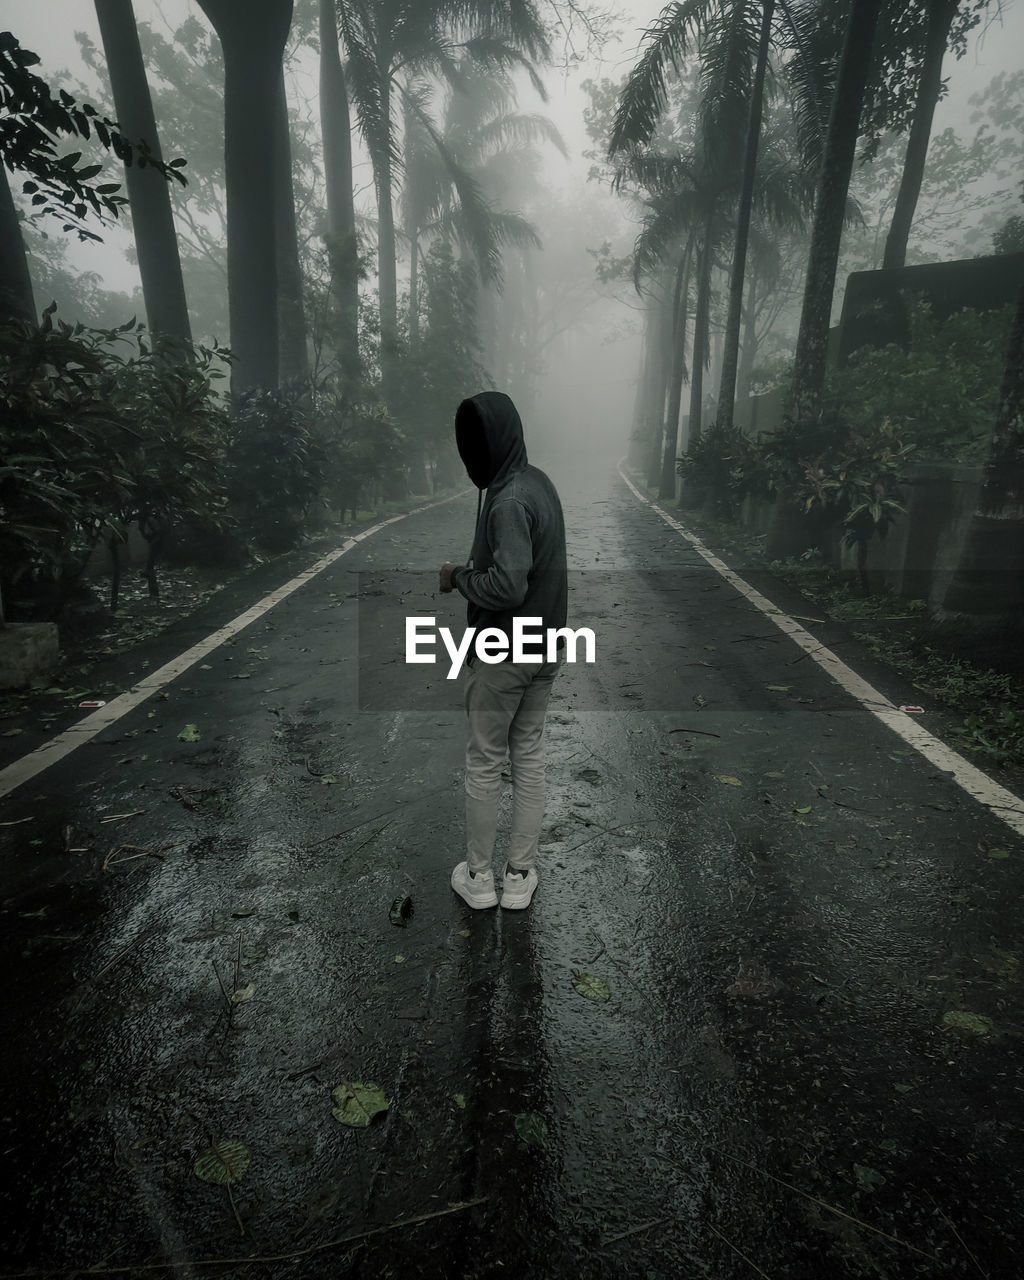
(779, 688)
(190, 733)
(963, 1020)
(460, 1101)
(358, 1103)
(804, 809)
(728, 779)
(532, 1129)
(241, 994)
(592, 988)
(998, 853)
(223, 1163)
(867, 1178)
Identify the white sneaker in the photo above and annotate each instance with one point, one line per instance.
(518, 889)
(477, 890)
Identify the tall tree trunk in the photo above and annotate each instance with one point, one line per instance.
(156, 241)
(748, 347)
(253, 38)
(734, 317)
(16, 298)
(293, 352)
(667, 488)
(342, 242)
(701, 336)
(414, 285)
(940, 18)
(989, 579)
(830, 210)
(661, 364)
(387, 281)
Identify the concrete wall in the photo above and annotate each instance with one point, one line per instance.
(919, 555)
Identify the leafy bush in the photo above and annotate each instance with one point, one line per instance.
(940, 395)
(363, 450)
(99, 427)
(727, 465)
(275, 466)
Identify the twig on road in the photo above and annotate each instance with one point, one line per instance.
(120, 956)
(705, 733)
(981, 1269)
(721, 1235)
(260, 1258)
(840, 1213)
(643, 1226)
(373, 817)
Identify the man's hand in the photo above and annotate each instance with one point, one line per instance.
(446, 577)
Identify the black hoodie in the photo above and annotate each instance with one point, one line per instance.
(518, 558)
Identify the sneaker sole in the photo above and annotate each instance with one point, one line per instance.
(480, 904)
(517, 902)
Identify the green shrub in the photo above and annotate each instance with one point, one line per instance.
(275, 466)
(940, 395)
(99, 427)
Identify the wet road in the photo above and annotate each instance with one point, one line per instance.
(809, 1063)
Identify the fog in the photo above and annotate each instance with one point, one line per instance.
(586, 382)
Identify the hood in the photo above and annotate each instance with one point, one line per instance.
(489, 434)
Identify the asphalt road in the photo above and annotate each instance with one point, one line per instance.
(808, 1063)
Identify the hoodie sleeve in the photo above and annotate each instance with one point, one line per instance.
(504, 584)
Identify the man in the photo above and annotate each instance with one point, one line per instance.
(517, 569)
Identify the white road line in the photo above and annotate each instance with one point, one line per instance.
(1002, 803)
(18, 773)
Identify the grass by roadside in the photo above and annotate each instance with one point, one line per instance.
(978, 678)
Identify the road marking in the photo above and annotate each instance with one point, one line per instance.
(997, 799)
(21, 771)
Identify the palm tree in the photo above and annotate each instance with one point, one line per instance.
(830, 210)
(388, 39)
(342, 240)
(457, 171)
(733, 39)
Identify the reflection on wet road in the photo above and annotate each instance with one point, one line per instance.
(808, 1061)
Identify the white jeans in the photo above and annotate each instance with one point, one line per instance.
(505, 703)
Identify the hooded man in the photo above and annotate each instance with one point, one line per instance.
(517, 570)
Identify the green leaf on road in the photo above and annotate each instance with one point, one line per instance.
(867, 1178)
(998, 853)
(804, 809)
(728, 779)
(357, 1103)
(963, 1020)
(223, 1163)
(190, 733)
(241, 994)
(779, 688)
(460, 1101)
(587, 985)
(532, 1129)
